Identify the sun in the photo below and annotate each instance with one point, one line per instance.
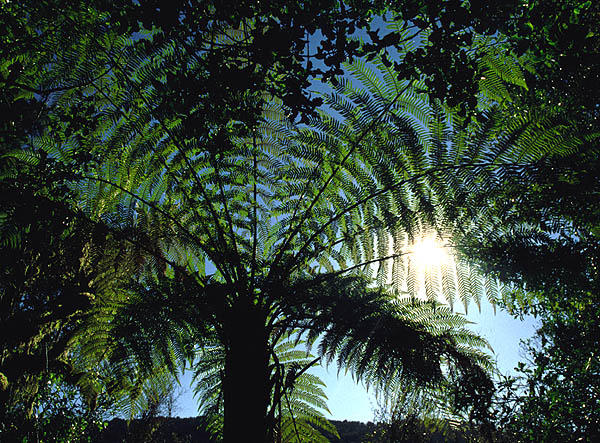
(429, 251)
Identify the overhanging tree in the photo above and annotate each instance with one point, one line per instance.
(72, 319)
(59, 46)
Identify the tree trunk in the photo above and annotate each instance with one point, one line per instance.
(246, 389)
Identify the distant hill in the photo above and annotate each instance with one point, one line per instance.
(192, 430)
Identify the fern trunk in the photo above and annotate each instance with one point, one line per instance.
(246, 389)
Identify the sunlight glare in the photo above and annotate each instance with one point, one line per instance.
(429, 251)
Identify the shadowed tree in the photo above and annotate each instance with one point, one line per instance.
(73, 338)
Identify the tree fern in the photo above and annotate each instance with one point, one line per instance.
(239, 218)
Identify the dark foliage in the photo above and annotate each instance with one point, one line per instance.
(284, 45)
(164, 429)
(44, 293)
(563, 39)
